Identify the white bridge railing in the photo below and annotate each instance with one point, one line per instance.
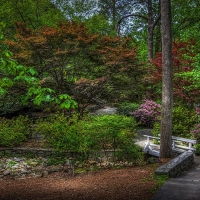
(178, 145)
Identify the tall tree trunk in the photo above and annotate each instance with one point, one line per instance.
(166, 114)
(150, 31)
(114, 14)
(158, 42)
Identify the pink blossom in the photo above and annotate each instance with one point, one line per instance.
(197, 110)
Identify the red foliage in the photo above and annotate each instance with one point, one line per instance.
(182, 62)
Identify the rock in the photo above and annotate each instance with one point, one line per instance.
(106, 111)
(80, 165)
(45, 173)
(54, 168)
(23, 176)
(15, 167)
(7, 172)
(24, 171)
(38, 175)
(18, 159)
(111, 164)
(92, 162)
(34, 163)
(104, 164)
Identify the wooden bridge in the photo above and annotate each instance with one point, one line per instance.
(179, 145)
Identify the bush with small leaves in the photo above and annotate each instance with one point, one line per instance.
(13, 132)
(183, 119)
(91, 134)
(127, 108)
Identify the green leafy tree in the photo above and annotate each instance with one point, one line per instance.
(69, 53)
(20, 85)
(185, 15)
(34, 13)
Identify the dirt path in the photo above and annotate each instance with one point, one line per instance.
(134, 183)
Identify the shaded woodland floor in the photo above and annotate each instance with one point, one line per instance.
(135, 183)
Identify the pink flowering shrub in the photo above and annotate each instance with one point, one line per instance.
(148, 113)
(196, 132)
(197, 110)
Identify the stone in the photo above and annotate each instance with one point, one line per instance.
(177, 165)
(80, 165)
(111, 164)
(24, 171)
(18, 159)
(45, 173)
(15, 167)
(106, 110)
(53, 168)
(92, 162)
(104, 164)
(7, 172)
(34, 163)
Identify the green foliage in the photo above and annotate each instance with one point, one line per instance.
(93, 133)
(14, 131)
(195, 131)
(192, 76)
(111, 132)
(156, 129)
(33, 13)
(126, 108)
(21, 78)
(160, 180)
(54, 130)
(56, 160)
(98, 24)
(197, 147)
(182, 120)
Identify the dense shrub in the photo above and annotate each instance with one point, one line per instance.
(148, 113)
(111, 132)
(195, 131)
(127, 108)
(156, 128)
(59, 132)
(182, 122)
(14, 131)
(91, 134)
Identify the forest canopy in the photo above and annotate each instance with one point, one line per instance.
(69, 55)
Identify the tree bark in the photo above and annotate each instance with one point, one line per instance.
(166, 114)
(150, 31)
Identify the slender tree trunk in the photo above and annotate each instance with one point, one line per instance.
(166, 114)
(158, 39)
(150, 31)
(114, 14)
(158, 47)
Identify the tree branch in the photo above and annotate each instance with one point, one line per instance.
(157, 20)
(126, 16)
